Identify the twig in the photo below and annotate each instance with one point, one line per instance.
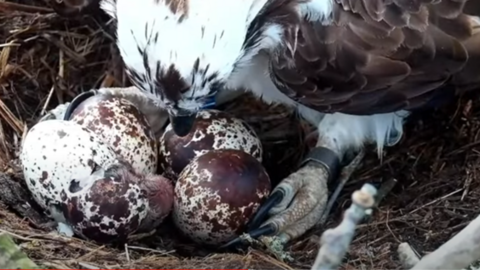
(384, 190)
(162, 252)
(436, 200)
(54, 265)
(45, 105)
(127, 254)
(72, 242)
(335, 242)
(19, 237)
(457, 253)
(9, 6)
(76, 57)
(87, 265)
(90, 253)
(7, 115)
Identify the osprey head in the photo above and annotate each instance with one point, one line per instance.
(180, 52)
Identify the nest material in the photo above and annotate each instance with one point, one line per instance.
(46, 60)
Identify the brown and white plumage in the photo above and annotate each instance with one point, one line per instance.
(381, 56)
(354, 68)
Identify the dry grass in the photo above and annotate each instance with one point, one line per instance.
(46, 60)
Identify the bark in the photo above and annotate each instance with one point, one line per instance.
(335, 242)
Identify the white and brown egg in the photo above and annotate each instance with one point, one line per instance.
(120, 124)
(81, 173)
(211, 130)
(221, 180)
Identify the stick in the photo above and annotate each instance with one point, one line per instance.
(335, 242)
(457, 253)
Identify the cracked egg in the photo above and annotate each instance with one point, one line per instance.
(86, 188)
(120, 124)
(217, 194)
(212, 130)
(94, 173)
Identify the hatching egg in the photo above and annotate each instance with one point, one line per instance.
(211, 130)
(80, 181)
(115, 203)
(120, 124)
(217, 194)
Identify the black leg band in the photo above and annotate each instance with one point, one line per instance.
(77, 101)
(327, 158)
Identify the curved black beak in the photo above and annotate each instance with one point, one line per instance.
(182, 124)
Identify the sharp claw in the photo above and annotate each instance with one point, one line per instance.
(232, 243)
(266, 230)
(77, 101)
(307, 205)
(261, 215)
(253, 229)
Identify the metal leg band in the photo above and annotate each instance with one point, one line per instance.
(327, 158)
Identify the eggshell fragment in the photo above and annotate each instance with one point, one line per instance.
(120, 124)
(217, 194)
(212, 130)
(64, 167)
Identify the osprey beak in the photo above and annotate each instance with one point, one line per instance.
(182, 124)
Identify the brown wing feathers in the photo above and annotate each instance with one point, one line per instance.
(383, 55)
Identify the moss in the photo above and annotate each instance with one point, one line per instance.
(11, 257)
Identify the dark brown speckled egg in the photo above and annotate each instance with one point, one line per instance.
(217, 194)
(212, 130)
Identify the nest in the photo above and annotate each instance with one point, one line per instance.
(429, 180)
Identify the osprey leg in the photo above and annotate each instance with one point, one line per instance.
(301, 198)
(305, 193)
(304, 203)
(317, 215)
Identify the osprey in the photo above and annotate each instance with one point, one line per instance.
(354, 68)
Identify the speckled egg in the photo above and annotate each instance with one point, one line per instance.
(212, 130)
(75, 176)
(120, 124)
(217, 194)
(114, 205)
